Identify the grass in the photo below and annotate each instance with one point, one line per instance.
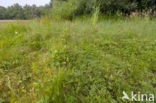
(45, 61)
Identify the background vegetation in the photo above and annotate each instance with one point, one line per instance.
(72, 8)
(78, 52)
(27, 12)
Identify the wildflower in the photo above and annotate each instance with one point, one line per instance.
(16, 32)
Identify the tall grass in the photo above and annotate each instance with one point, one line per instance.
(50, 61)
(95, 16)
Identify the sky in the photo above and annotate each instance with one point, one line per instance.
(6, 3)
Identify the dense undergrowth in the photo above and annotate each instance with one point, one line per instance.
(44, 61)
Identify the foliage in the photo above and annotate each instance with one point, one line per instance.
(70, 9)
(109, 7)
(15, 12)
(27, 12)
(63, 9)
(76, 62)
(151, 4)
(2, 12)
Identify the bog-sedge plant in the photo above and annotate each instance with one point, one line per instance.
(95, 16)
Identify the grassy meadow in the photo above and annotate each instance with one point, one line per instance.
(48, 61)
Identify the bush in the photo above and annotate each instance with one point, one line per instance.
(63, 9)
(73, 8)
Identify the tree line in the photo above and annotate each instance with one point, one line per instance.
(74, 8)
(112, 6)
(16, 11)
(69, 9)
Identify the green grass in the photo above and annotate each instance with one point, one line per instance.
(45, 61)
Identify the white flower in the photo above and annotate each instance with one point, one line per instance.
(16, 32)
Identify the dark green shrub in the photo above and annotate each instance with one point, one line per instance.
(81, 7)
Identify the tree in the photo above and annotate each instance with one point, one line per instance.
(28, 13)
(44, 10)
(151, 4)
(105, 6)
(36, 11)
(2, 12)
(51, 3)
(15, 12)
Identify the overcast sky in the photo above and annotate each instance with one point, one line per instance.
(6, 3)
